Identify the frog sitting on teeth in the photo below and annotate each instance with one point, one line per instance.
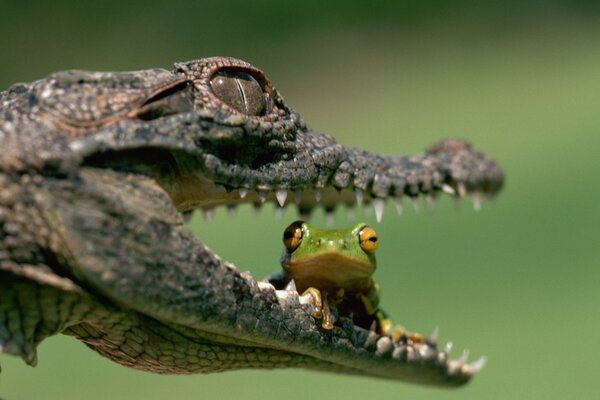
(335, 268)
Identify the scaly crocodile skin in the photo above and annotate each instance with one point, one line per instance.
(95, 171)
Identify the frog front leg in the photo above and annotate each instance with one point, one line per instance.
(321, 310)
(312, 296)
(370, 300)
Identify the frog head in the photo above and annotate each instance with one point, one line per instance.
(329, 258)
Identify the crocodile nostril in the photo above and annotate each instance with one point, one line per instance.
(239, 90)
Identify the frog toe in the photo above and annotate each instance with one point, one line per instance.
(328, 317)
(313, 297)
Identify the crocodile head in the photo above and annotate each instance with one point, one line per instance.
(215, 132)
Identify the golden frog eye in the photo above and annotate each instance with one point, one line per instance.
(292, 236)
(368, 240)
(239, 90)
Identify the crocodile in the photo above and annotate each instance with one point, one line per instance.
(97, 173)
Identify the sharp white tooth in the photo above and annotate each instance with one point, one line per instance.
(378, 205)
(359, 195)
(262, 195)
(208, 213)
(448, 189)
(384, 345)
(475, 366)
(231, 211)
(278, 214)
(317, 195)
(329, 218)
(476, 198)
(281, 195)
(291, 286)
(464, 356)
(462, 189)
(415, 203)
(350, 213)
(371, 339)
(448, 347)
(243, 192)
(433, 338)
(298, 196)
(398, 205)
(373, 326)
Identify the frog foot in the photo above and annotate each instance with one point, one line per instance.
(310, 296)
(399, 334)
(321, 309)
(313, 297)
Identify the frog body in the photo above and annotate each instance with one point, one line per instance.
(335, 267)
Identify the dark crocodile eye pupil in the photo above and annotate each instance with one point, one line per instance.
(239, 90)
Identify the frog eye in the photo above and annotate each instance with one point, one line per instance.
(368, 240)
(239, 90)
(292, 236)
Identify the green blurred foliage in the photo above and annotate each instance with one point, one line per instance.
(517, 281)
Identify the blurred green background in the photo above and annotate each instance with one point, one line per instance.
(517, 281)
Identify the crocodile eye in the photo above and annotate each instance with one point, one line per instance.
(367, 238)
(292, 236)
(239, 90)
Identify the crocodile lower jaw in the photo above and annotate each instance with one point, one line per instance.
(399, 351)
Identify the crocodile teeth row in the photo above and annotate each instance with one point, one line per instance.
(424, 352)
(378, 203)
(281, 195)
(402, 351)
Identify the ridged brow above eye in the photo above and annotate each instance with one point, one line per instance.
(239, 90)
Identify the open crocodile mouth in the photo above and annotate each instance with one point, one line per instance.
(226, 138)
(449, 168)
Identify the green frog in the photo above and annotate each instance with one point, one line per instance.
(335, 268)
